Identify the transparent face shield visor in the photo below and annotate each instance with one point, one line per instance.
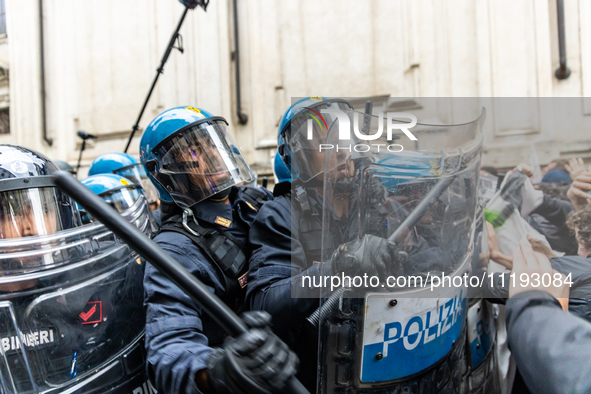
(121, 199)
(33, 212)
(124, 198)
(138, 176)
(305, 133)
(38, 211)
(199, 162)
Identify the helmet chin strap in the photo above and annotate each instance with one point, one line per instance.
(221, 196)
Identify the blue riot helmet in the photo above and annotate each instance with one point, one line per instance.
(302, 129)
(109, 162)
(30, 204)
(127, 166)
(117, 191)
(280, 169)
(190, 156)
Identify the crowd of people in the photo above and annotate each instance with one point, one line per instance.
(346, 213)
(555, 214)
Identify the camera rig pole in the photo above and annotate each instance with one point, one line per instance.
(175, 36)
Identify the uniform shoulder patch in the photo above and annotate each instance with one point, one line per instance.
(251, 206)
(242, 280)
(223, 221)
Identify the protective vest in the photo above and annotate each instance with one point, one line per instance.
(309, 221)
(229, 255)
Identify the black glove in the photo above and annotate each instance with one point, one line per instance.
(369, 255)
(255, 362)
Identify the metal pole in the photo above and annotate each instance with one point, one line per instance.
(151, 252)
(82, 147)
(419, 211)
(562, 72)
(242, 118)
(42, 81)
(159, 71)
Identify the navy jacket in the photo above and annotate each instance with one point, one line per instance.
(282, 270)
(179, 335)
(276, 285)
(551, 347)
(278, 265)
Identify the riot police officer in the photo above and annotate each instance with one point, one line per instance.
(196, 167)
(125, 165)
(354, 210)
(124, 196)
(68, 291)
(286, 236)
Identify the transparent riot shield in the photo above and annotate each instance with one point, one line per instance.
(398, 325)
(71, 311)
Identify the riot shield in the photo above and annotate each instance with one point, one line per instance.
(394, 326)
(71, 311)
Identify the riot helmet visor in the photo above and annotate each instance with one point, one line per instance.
(137, 175)
(305, 133)
(123, 198)
(36, 211)
(200, 161)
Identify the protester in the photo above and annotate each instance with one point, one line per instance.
(579, 192)
(575, 167)
(576, 267)
(555, 165)
(551, 347)
(580, 223)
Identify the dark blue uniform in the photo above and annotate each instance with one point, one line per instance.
(179, 336)
(281, 258)
(157, 214)
(283, 252)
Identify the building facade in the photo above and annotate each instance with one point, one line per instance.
(68, 65)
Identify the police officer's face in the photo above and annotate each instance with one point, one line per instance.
(27, 222)
(312, 158)
(207, 166)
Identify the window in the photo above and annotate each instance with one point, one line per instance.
(4, 121)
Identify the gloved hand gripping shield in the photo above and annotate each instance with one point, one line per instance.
(71, 296)
(396, 213)
(199, 161)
